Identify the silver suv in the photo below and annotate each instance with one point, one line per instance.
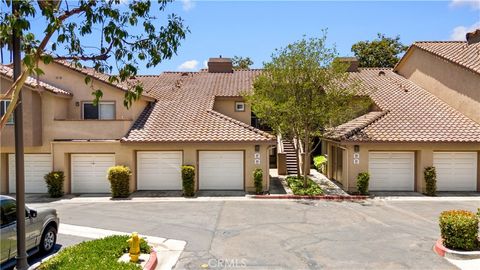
(40, 226)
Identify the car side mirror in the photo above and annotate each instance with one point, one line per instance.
(33, 213)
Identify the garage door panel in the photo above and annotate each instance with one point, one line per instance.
(391, 171)
(36, 166)
(456, 171)
(160, 170)
(221, 170)
(89, 172)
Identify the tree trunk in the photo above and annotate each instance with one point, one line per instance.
(306, 160)
(297, 156)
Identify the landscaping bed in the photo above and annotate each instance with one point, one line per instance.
(100, 254)
(296, 185)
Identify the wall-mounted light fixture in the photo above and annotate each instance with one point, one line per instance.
(356, 148)
(257, 148)
(77, 104)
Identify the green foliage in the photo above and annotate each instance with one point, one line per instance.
(54, 182)
(258, 180)
(380, 52)
(320, 162)
(362, 182)
(459, 229)
(119, 177)
(188, 180)
(296, 184)
(241, 62)
(100, 254)
(430, 176)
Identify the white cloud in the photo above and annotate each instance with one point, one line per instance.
(474, 4)
(205, 64)
(188, 4)
(459, 32)
(188, 65)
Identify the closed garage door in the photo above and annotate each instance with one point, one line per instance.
(159, 170)
(391, 171)
(36, 166)
(221, 170)
(456, 171)
(89, 172)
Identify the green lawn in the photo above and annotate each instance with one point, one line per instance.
(100, 254)
(296, 185)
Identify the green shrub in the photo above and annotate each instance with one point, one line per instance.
(459, 229)
(430, 176)
(119, 177)
(100, 254)
(54, 182)
(320, 162)
(258, 180)
(188, 180)
(362, 182)
(296, 185)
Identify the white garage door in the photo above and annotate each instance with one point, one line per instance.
(36, 166)
(159, 170)
(89, 172)
(456, 171)
(391, 171)
(221, 170)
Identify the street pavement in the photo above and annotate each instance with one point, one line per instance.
(278, 234)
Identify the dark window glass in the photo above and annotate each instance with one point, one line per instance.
(3, 109)
(9, 213)
(90, 111)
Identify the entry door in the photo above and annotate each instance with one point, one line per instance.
(89, 172)
(221, 170)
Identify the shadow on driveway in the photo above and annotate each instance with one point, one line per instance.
(37, 257)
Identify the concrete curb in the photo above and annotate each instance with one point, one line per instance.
(443, 251)
(314, 197)
(152, 261)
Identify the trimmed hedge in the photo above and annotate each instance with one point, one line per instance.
(320, 163)
(296, 185)
(54, 182)
(430, 176)
(188, 180)
(459, 229)
(258, 180)
(362, 182)
(119, 177)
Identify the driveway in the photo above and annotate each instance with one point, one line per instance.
(279, 234)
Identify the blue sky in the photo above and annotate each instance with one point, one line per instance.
(256, 28)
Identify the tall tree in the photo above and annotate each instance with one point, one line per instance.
(127, 32)
(240, 62)
(380, 52)
(303, 91)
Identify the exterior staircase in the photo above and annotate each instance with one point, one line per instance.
(289, 150)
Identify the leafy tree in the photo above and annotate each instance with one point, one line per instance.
(128, 32)
(303, 91)
(380, 52)
(240, 62)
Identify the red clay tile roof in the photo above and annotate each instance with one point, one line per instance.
(458, 52)
(184, 112)
(7, 72)
(346, 130)
(414, 114)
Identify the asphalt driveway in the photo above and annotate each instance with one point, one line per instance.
(267, 234)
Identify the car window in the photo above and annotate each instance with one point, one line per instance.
(8, 211)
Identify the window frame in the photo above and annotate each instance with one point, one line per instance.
(242, 103)
(14, 221)
(4, 102)
(100, 103)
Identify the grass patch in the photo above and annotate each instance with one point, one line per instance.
(100, 254)
(296, 185)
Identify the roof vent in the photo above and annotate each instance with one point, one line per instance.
(184, 74)
(220, 65)
(351, 61)
(473, 37)
(381, 73)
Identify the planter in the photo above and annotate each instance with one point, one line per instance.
(443, 251)
(316, 197)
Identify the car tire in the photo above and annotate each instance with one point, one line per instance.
(49, 239)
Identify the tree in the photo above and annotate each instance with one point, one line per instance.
(127, 33)
(303, 91)
(380, 52)
(240, 62)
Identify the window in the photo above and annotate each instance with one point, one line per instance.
(103, 111)
(239, 106)
(8, 211)
(3, 109)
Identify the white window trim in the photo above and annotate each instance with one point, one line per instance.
(99, 104)
(10, 121)
(242, 104)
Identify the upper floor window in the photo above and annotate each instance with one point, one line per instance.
(103, 110)
(239, 106)
(3, 109)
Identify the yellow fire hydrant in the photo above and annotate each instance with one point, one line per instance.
(134, 243)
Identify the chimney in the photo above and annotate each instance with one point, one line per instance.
(220, 65)
(351, 61)
(473, 37)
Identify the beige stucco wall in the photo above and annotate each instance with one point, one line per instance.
(226, 106)
(423, 158)
(455, 85)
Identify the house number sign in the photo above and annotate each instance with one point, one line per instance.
(256, 157)
(356, 158)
